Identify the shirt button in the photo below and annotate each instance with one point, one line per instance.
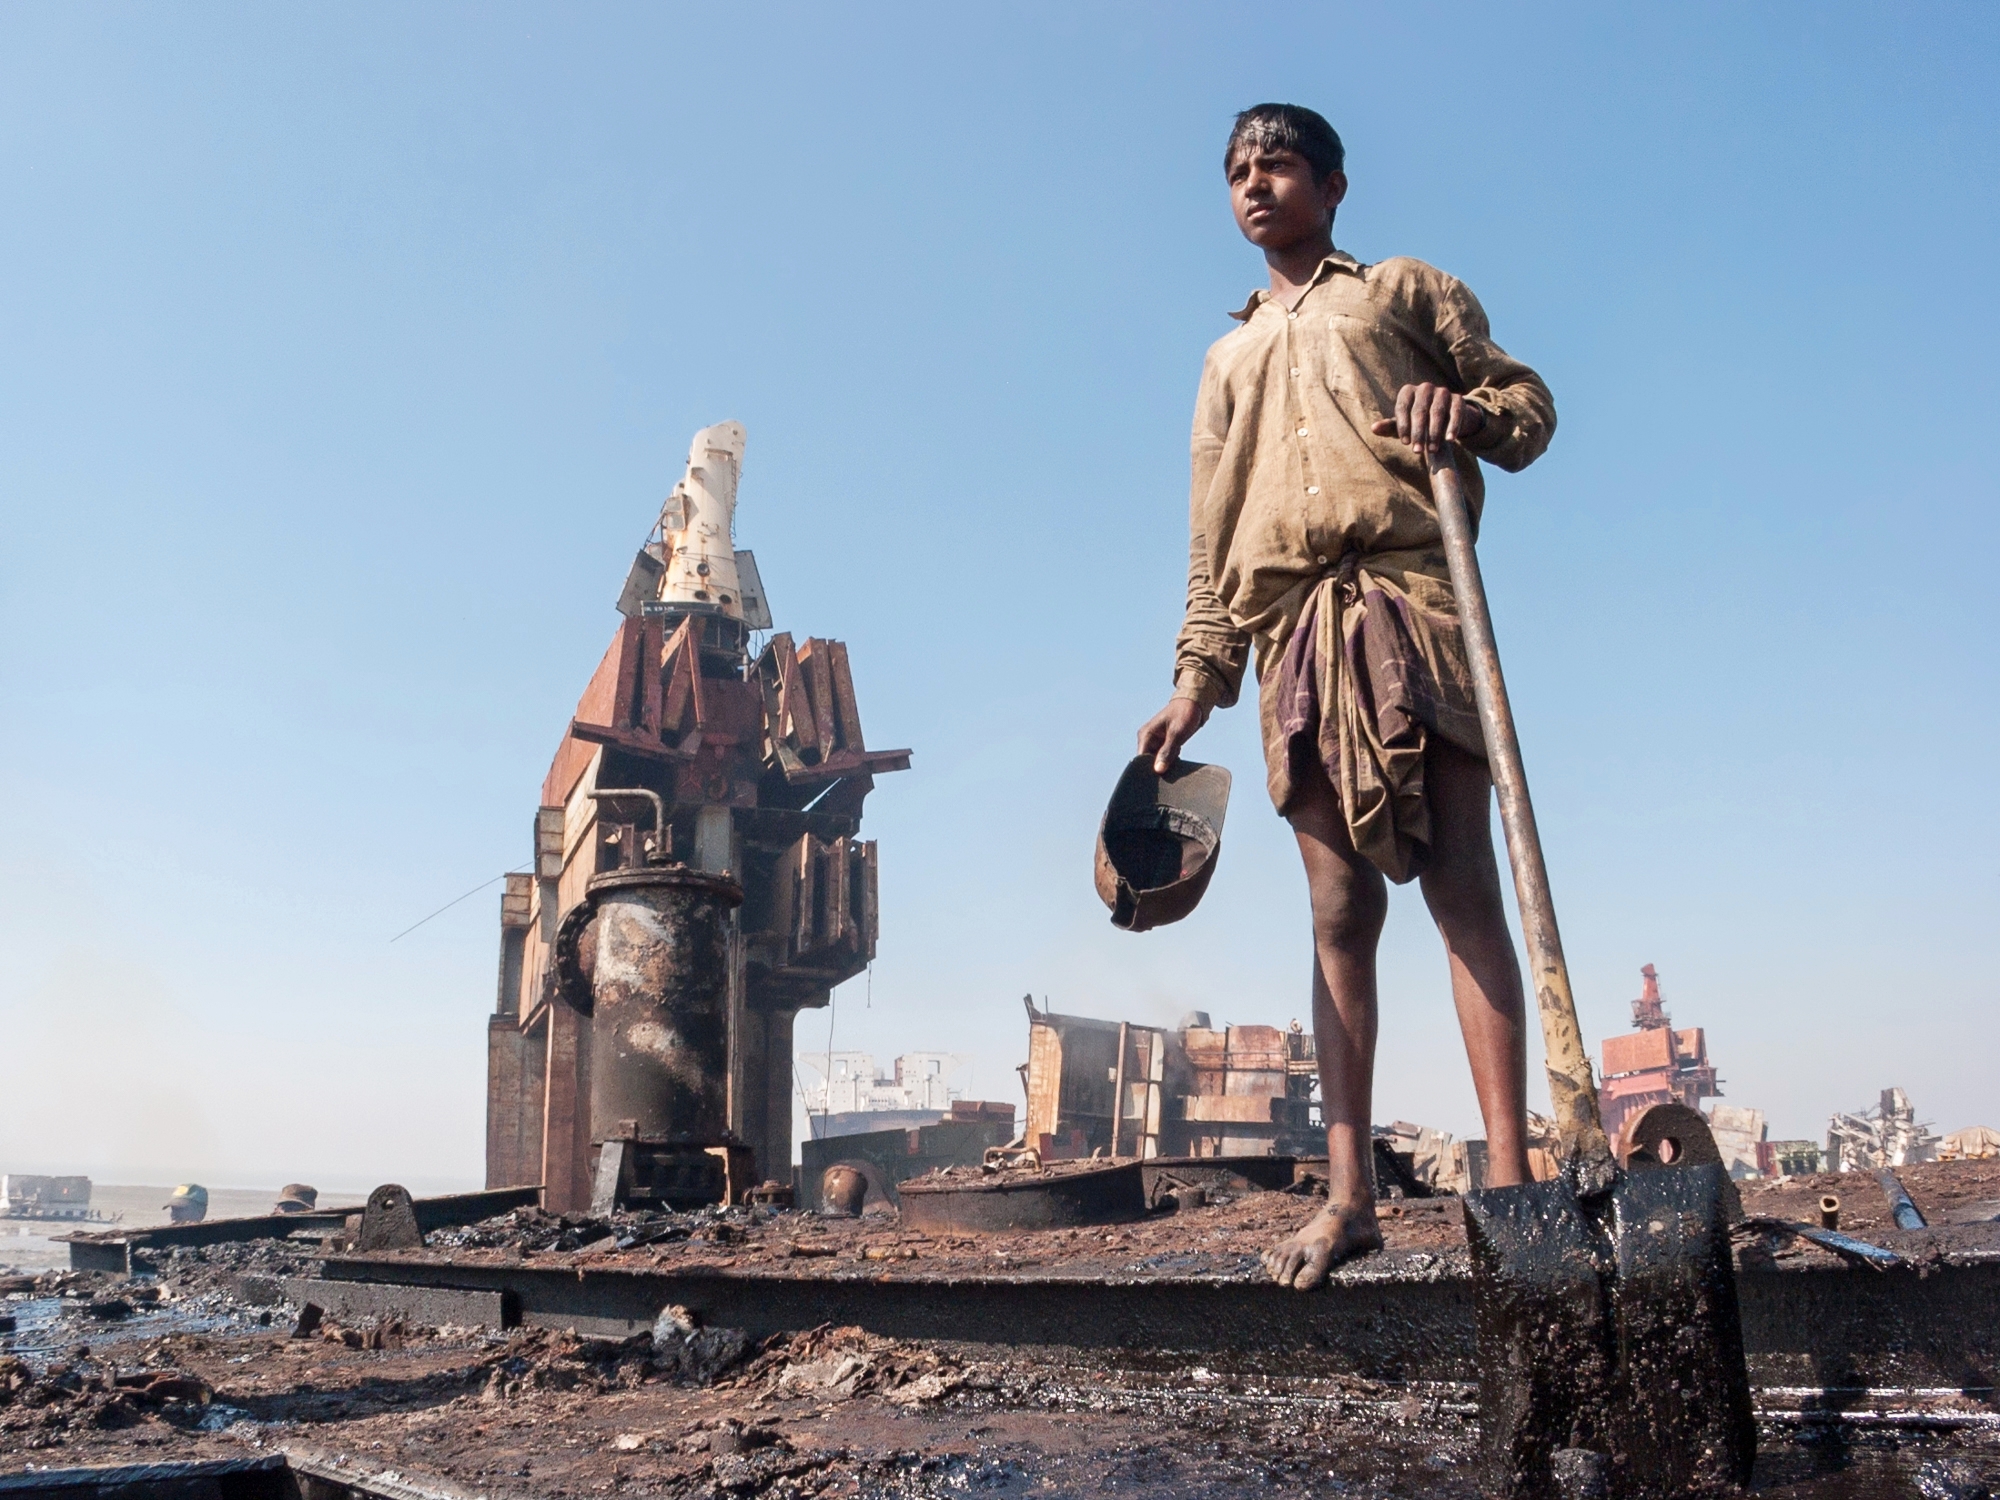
(1302, 432)
(1321, 560)
(1293, 316)
(1312, 489)
(1295, 369)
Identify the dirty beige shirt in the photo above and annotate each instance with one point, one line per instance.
(1288, 479)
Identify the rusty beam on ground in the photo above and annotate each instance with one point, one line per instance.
(433, 1306)
(1807, 1327)
(111, 1251)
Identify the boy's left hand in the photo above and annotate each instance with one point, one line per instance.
(1430, 416)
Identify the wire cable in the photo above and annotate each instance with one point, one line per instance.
(454, 901)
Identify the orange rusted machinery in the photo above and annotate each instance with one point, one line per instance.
(1653, 1065)
(691, 762)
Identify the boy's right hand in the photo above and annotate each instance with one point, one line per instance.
(1432, 417)
(1169, 729)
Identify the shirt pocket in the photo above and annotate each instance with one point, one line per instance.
(1366, 362)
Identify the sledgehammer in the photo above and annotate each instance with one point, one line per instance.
(1609, 1344)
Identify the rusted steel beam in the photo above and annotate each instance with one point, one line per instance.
(682, 708)
(442, 1212)
(1118, 1086)
(417, 1304)
(847, 763)
(565, 1128)
(1407, 1330)
(846, 710)
(264, 1477)
(1410, 1319)
(637, 741)
(817, 669)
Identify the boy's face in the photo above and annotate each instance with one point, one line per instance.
(1276, 202)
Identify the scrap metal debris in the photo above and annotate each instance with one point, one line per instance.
(66, 1396)
(832, 1413)
(1890, 1135)
(1121, 1089)
(690, 758)
(848, 1362)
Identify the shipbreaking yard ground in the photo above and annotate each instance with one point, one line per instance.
(1147, 1358)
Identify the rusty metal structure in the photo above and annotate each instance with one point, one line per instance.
(698, 879)
(1112, 1192)
(884, 1159)
(1193, 1090)
(1654, 1064)
(646, 955)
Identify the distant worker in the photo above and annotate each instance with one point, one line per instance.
(187, 1204)
(296, 1198)
(1315, 539)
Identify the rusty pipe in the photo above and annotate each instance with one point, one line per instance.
(658, 997)
(1902, 1208)
(1572, 1089)
(659, 809)
(1856, 1252)
(1829, 1211)
(1118, 1088)
(659, 803)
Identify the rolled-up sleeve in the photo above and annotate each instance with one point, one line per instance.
(1212, 650)
(1520, 412)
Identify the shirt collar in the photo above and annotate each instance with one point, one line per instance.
(1338, 260)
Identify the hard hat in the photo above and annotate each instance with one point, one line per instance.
(297, 1198)
(1157, 845)
(187, 1195)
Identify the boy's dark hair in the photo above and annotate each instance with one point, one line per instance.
(1288, 127)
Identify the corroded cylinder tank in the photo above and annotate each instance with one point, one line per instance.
(653, 953)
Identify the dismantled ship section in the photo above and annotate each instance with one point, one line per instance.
(1116, 1088)
(706, 799)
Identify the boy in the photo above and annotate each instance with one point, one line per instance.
(1315, 537)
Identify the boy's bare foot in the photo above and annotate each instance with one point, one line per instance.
(1334, 1234)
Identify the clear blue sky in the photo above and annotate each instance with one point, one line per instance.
(349, 350)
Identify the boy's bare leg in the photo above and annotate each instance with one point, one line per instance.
(1349, 902)
(1462, 889)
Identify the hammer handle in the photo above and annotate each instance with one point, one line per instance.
(1571, 1087)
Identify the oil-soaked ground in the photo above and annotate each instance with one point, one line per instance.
(196, 1357)
(835, 1413)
